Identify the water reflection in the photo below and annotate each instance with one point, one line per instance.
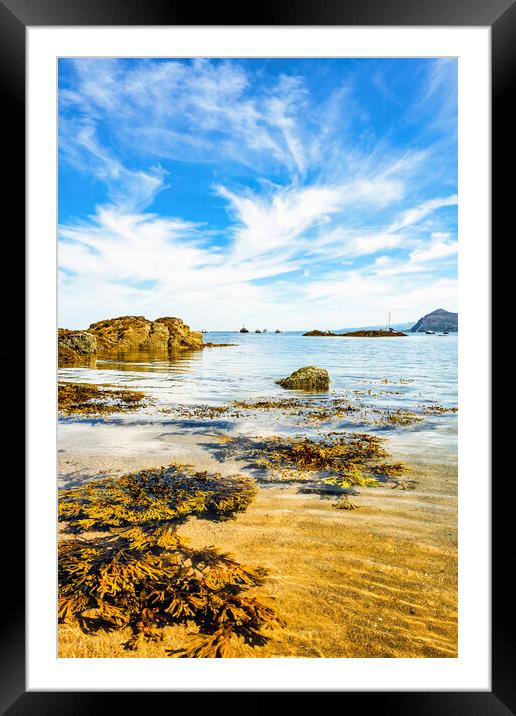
(149, 362)
(388, 373)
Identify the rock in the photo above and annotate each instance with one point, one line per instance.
(316, 332)
(75, 347)
(374, 333)
(308, 378)
(438, 320)
(365, 333)
(180, 336)
(128, 334)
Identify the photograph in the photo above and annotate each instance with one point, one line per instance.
(233, 480)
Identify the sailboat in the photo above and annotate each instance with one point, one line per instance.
(244, 330)
(388, 326)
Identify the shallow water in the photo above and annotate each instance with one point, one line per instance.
(419, 369)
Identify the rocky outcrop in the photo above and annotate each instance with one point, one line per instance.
(372, 333)
(308, 378)
(438, 320)
(75, 347)
(316, 332)
(126, 334)
(130, 334)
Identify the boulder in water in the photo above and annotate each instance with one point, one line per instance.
(75, 347)
(308, 378)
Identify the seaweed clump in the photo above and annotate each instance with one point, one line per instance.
(310, 411)
(127, 568)
(400, 381)
(301, 410)
(88, 398)
(400, 417)
(199, 412)
(340, 461)
(345, 454)
(438, 409)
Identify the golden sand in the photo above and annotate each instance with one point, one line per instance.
(380, 581)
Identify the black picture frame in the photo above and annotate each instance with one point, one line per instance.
(500, 16)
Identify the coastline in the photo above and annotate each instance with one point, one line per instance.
(353, 572)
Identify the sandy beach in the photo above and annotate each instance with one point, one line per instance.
(380, 581)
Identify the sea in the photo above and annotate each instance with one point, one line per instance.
(385, 374)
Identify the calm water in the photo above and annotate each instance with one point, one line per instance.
(420, 369)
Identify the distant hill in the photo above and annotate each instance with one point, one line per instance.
(439, 320)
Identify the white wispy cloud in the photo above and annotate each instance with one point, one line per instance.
(173, 109)
(290, 242)
(441, 245)
(416, 214)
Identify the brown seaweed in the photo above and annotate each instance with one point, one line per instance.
(342, 461)
(127, 568)
(89, 398)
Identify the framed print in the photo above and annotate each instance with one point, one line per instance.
(251, 408)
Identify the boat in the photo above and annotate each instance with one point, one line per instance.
(277, 330)
(430, 333)
(388, 326)
(244, 330)
(204, 330)
(257, 330)
(264, 330)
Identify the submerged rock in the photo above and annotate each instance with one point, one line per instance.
(308, 378)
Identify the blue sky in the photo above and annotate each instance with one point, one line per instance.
(290, 193)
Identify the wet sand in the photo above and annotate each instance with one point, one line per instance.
(380, 581)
